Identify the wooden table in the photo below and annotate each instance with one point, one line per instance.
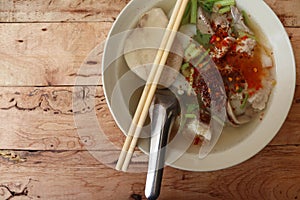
(42, 46)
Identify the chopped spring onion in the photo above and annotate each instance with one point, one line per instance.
(243, 33)
(207, 5)
(192, 77)
(224, 10)
(244, 101)
(185, 66)
(192, 107)
(190, 116)
(187, 14)
(191, 82)
(185, 70)
(194, 8)
(246, 18)
(203, 56)
(191, 52)
(224, 3)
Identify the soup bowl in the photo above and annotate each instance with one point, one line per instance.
(236, 144)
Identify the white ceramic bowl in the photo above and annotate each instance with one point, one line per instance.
(235, 144)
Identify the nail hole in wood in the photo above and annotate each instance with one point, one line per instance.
(183, 177)
(100, 108)
(136, 197)
(92, 62)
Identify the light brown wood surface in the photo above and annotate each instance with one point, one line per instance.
(42, 46)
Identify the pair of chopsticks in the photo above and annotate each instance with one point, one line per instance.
(151, 85)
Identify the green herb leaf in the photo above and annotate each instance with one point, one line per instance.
(211, 5)
(202, 39)
(194, 11)
(207, 5)
(244, 101)
(192, 107)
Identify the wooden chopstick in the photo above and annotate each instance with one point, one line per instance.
(151, 85)
(144, 96)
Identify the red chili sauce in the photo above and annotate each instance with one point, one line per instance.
(250, 67)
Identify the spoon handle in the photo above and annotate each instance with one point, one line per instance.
(162, 120)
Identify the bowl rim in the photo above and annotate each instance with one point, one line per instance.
(260, 144)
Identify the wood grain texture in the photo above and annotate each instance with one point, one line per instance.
(43, 119)
(42, 46)
(102, 10)
(294, 35)
(43, 55)
(285, 10)
(60, 10)
(77, 175)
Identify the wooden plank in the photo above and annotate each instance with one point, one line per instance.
(51, 54)
(48, 54)
(77, 175)
(291, 125)
(104, 10)
(43, 119)
(294, 35)
(60, 10)
(285, 10)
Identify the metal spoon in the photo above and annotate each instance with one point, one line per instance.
(163, 112)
